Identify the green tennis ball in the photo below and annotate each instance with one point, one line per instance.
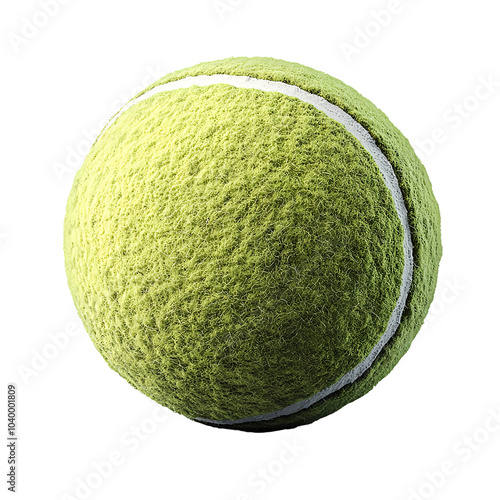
(252, 243)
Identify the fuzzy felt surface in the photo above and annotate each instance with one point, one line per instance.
(232, 251)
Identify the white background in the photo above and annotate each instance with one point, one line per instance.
(423, 64)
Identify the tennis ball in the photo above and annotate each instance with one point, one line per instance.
(252, 243)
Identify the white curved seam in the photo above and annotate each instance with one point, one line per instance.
(390, 180)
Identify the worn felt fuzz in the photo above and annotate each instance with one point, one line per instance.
(233, 251)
